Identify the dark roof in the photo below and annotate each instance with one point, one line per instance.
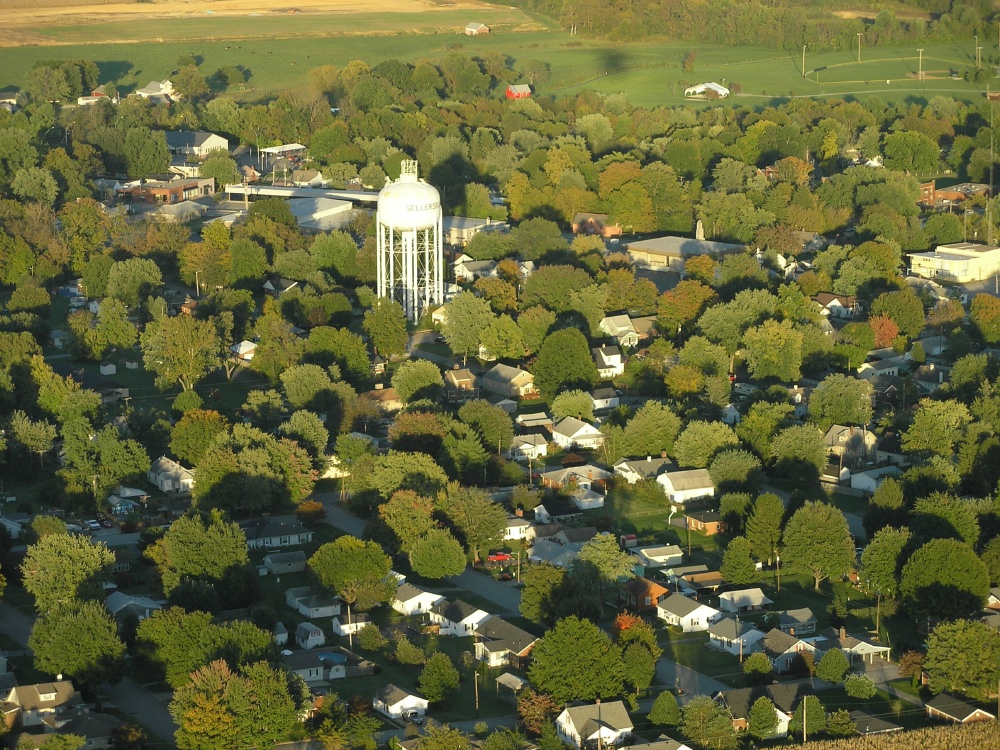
(264, 528)
(778, 642)
(407, 591)
(391, 695)
(680, 605)
(785, 698)
(581, 534)
(603, 393)
(505, 636)
(454, 611)
(187, 138)
(868, 724)
(954, 708)
(706, 516)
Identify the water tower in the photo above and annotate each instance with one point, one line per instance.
(410, 253)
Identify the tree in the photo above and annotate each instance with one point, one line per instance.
(577, 661)
(840, 724)
(535, 324)
(818, 542)
(35, 184)
(700, 441)
(278, 348)
(885, 330)
(491, 423)
(859, 686)
(327, 346)
(195, 432)
(358, 571)
(985, 314)
(653, 429)
(418, 379)
(535, 710)
(799, 451)
(180, 350)
(189, 82)
(145, 152)
(708, 724)
(762, 720)
(963, 656)
(943, 516)
(61, 568)
(196, 547)
(503, 339)
(678, 309)
(640, 667)
(42, 526)
(774, 350)
(944, 578)
(564, 361)
(738, 567)
(479, 520)
(733, 470)
(904, 308)
(882, 560)
(247, 263)
(841, 400)
(810, 712)
(467, 319)
(35, 437)
(395, 470)
(541, 582)
(991, 557)
(438, 679)
(222, 168)
(604, 557)
(307, 429)
(936, 427)
(100, 461)
(577, 404)
(833, 666)
(385, 323)
(757, 669)
(763, 527)
(437, 554)
(665, 711)
(133, 280)
(79, 639)
(443, 737)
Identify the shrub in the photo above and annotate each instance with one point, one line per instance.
(859, 686)
(370, 638)
(407, 653)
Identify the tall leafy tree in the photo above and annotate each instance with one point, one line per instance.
(944, 578)
(882, 561)
(468, 318)
(564, 361)
(652, 430)
(437, 554)
(491, 423)
(738, 567)
(131, 281)
(145, 151)
(706, 723)
(195, 432)
(577, 661)
(438, 679)
(79, 639)
(963, 656)
(198, 547)
(841, 400)
(180, 350)
(605, 559)
(34, 436)
(478, 519)
(62, 568)
(763, 528)
(700, 441)
(774, 350)
(358, 571)
(762, 721)
(817, 541)
(385, 323)
(418, 379)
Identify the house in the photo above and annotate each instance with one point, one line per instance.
(556, 509)
(687, 614)
(158, 92)
(501, 644)
(244, 350)
(620, 328)
(837, 305)
(518, 91)
(743, 601)
(597, 224)
(643, 595)
(272, 533)
(528, 447)
(663, 742)
(690, 580)
(277, 563)
(309, 636)
(461, 384)
(277, 286)
(587, 476)
(684, 485)
(633, 471)
(731, 415)
(31, 705)
(195, 142)
(930, 377)
(706, 91)
(393, 702)
(349, 624)
(169, 476)
(886, 368)
(97, 730)
(784, 650)
(413, 600)
(474, 28)
(857, 648)
(312, 602)
(870, 479)
(850, 442)
(512, 382)
(959, 262)
(552, 553)
(572, 433)
(308, 178)
(607, 724)
(458, 230)
(119, 604)
(944, 707)
(784, 697)
(517, 530)
(868, 724)
(605, 398)
(456, 617)
(575, 537)
(659, 556)
(797, 621)
(609, 361)
(734, 637)
(465, 268)
(707, 522)
(534, 420)
(312, 666)
(509, 405)
(799, 398)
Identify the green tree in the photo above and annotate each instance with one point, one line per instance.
(438, 679)
(762, 720)
(833, 666)
(535, 324)
(576, 403)
(196, 547)
(665, 711)
(395, 470)
(963, 656)
(189, 82)
(278, 348)
(564, 361)
(774, 350)
(984, 312)
(180, 350)
(904, 308)
(385, 323)
(145, 152)
(409, 516)
(733, 470)
(418, 379)
(738, 567)
(799, 450)
(811, 712)
(437, 554)
(577, 661)
(307, 429)
(541, 582)
(700, 441)
(468, 317)
(59, 569)
(606, 559)
(840, 724)
(328, 346)
(307, 387)
(936, 427)
(653, 429)
(503, 339)
(944, 578)
(882, 560)
(763, 527)
(841, 400)
(640, 667)
(707, 724)
(100, 461)
(247, 263)
(79, 639)
(42, 526)
(35, 184)
(817, 541)
(757, 669)
(195, 432)
(133, 280)
(33, 436)
(358, 571)
(478, 519)
(491, 423)
(944, 516)
(222, 168)
(860, 686)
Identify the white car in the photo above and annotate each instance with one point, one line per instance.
(94, 525)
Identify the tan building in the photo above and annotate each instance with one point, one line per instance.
(669, 253)
(959, 262)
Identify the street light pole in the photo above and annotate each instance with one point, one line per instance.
(803, 61)
(859, 45)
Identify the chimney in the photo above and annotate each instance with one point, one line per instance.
(791, 631)
(663, 454)
(843, 632)
(649, 459)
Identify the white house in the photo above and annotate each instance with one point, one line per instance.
(412, 600)
(660, 555)
(195, 142)
(573, 433)
(346, 625)
(285, 562)
(686, 613)
(837, 305)
(784, 649)
(734, 637)
(743, 601)
(609, 361)
(687, 484)
(119, 603)
(169, 476)
(621, 329)
(710, 90)
(315, 667)
(275, 533)
(32, 705)
(501, 644)
(604, 398)
(525, 447)
(157, 91)
(244, 351)
(393, 702)
(633, 471)
(312, 602)
(607, 724)
(871, 479)
(517, 529)
(456, 617)
(309, 636)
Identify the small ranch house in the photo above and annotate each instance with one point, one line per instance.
(169, 476)
(456, 617)
(500, 644)
(689, 615)
(687, 484)
(573, 433)
(734, 637)
(744, 601)
(944, 707)
(393, 702)
(412, 600)
(607, 724)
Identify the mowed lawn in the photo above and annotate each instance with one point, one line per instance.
(279, 52)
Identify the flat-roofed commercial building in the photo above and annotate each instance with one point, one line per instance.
(959, 262)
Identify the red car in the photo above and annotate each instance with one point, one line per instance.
(499, 557)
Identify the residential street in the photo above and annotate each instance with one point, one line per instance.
(671, 674)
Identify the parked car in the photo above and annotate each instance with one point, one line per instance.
(413, 717)
(94, 525)
(105, 523)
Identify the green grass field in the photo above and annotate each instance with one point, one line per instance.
(279, 51)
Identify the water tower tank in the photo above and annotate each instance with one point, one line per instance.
(409, 203)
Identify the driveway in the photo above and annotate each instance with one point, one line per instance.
(146, 708)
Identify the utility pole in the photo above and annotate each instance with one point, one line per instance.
(777, 568)
(979, 58)
(805, 708)
(803, 61)
(197, 287)
(860, 33)
(920, 65)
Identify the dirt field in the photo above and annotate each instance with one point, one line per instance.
(99, 13)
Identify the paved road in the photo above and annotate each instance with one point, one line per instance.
(15, 624)
(146, 708)
(672, 674)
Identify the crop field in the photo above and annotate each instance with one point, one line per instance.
(280, 49)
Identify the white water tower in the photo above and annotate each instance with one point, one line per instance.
(410, 251)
